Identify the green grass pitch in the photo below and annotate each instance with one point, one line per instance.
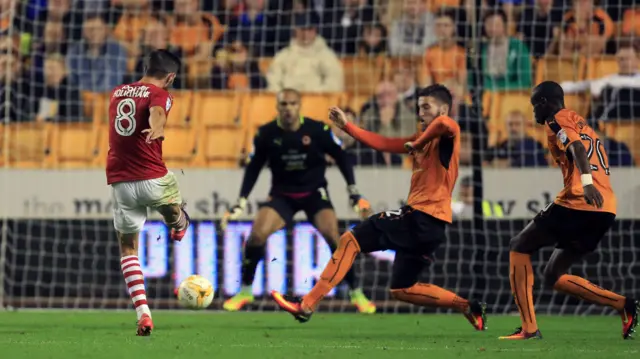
(97, 335)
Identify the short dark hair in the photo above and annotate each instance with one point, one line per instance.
(160, 63)
(447, 12)
(95, 16)
(466, 181)
(439, 92)
(551, 91)
(628, 43)
(498, 12)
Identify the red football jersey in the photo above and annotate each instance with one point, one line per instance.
(130, 157)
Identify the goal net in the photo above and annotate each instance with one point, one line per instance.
(60, 58)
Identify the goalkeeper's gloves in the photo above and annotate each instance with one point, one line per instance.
(359, 204)
(233, 213)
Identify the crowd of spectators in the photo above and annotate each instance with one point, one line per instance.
(54, 50)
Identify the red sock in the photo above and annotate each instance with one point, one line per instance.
(135, 284)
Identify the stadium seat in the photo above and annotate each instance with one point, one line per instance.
(627, 132)
(28, 145)
(219, 108)
(99, 105)
(500, 105)
(356, 101)
(179, 149)
(222, 147)
(264, 63)
(258, 109)
(362, 74)
(316, 106)
(559, 70)
(96, 106)
(76, 145)
(414, 62)
(2, 150)
(181, 109)
(601, 67)
(199, 73)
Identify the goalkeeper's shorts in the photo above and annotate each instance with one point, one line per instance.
(131, 200)
(576, 230)
(288, 206)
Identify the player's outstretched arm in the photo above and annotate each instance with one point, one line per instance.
(373, 140)
(157, 120)
(257, 159)
(581, 159)
(441, 126)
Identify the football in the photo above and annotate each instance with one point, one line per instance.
(195, 292)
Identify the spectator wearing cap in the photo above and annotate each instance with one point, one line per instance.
(307, 64)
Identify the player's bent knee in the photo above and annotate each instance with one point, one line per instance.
(550, 276)
(515, 245)
(258, 237)
(170, 213)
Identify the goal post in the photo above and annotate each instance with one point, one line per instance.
(58, 247)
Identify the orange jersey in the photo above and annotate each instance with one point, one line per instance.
(445, 64)
(435, 163)
(435, 172)
(566, 128)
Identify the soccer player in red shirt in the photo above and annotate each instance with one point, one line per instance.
(136, 172)
(575, 222)
(414, 231)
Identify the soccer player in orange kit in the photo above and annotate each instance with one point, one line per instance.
(414, 231)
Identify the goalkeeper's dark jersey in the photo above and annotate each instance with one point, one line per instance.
(297, 159)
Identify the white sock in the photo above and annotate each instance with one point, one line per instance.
(135, 284)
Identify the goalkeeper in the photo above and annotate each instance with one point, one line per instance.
(295, 148)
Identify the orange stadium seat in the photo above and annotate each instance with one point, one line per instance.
(601, 67)
(415, 63)
(181, 112)
(222, 147)
(258, 109)
(627, 132)
(559, 70)
(2, 150)
(264, 63)
(76, 145)
(218, 108)
(28, 145)
(500, 105)
(179, 149)
(99, 104)
(199, 73)
(357, 101)
(362, 74)
(316, 106)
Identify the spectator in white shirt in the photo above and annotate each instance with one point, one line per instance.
(619, 94)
